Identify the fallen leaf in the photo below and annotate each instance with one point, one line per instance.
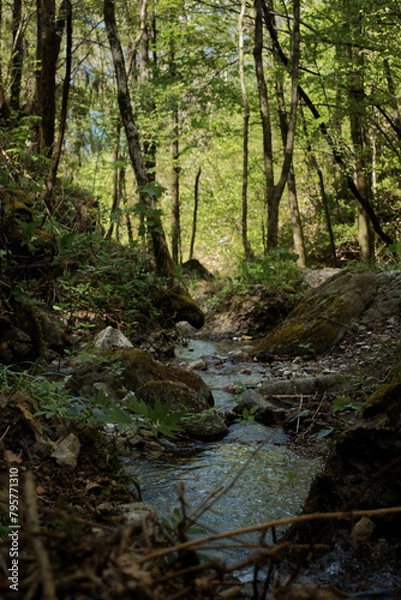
(40, 490)
(12, 457)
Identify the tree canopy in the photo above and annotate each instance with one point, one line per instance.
(191, 122)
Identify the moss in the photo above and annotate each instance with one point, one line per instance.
(176, 304)
(139, 368)
(295, 338)
(28, 320)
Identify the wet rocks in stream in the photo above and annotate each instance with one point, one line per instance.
(132, 370)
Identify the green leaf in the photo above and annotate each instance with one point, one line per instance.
(301, 415)
(322, 433)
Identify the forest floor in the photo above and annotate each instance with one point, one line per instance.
(72, 539)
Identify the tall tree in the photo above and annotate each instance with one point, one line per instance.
(275, 190)
(245, 144)
(49, 33)
(163, 260)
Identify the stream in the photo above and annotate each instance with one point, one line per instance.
(248, 477)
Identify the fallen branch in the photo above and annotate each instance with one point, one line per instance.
(350, 514)
(33, 528)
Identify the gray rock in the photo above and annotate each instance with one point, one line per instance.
(267, 413)
(333, 383)
(111, 338)
(325, 313)
(67, 451)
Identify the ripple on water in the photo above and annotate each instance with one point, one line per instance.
(273, 484)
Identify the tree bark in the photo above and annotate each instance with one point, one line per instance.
(57, 150)
(175, 191)
(264, 110)
(49, 33)
(195, 213)
(17, 56)
(275, 191)
(360, 141)
(116, 182)
(245, 135)
(163, 260)
(337, 154)
(296, 224)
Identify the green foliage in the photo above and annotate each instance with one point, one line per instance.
(322, 433)
(104, 277)
(275, 270)
(247, 415)
(54, 401)
(342, 403)
(136, 415)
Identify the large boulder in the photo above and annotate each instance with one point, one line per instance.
(201, 423)
(132, 370)
(325, 313)
(176, 304)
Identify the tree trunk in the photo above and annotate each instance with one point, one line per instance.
(175, 192)
(116, 182)
(245, 136)
(195, 213)
(56, 155)
(49, 33)
(163, 260)
(362, 150)
(337, 154)
(275, 192)
(265, 115)
(17, 55)
(296, 225)
(322, 190)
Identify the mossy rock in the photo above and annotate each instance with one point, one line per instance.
(176, 304)
(137, 369)
(197, 423)
(21, 336)
(325, 313)
(15, 211)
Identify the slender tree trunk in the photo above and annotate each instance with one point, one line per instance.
(49, 30)
(245, 136)
(337, 154)
(57, 150)
(175, 170)
(322, 190)
(275, 191)
(17, 56)
(163, 260)
(175, 191)
(362, 151)
(296, 225)
(116, 182)
(195, 213)
(268, 165)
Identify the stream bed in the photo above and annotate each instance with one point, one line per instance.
(248, 477)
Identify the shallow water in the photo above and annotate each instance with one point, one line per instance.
(273, 482)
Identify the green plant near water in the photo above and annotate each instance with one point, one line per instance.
(54, 401)
(136, 415)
